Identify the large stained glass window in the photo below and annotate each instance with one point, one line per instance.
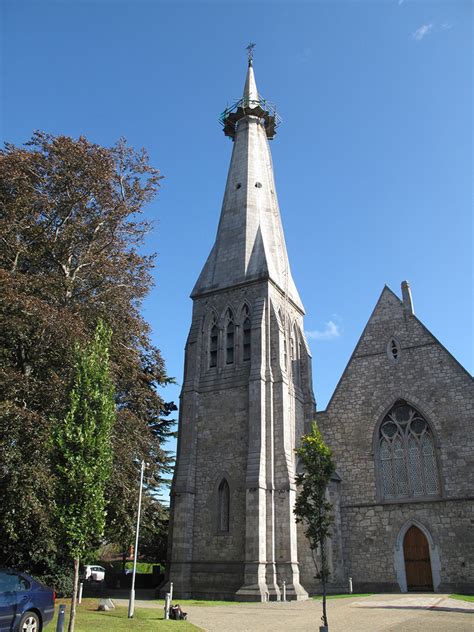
(407, 455)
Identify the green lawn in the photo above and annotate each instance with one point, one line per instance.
(142, 567)
(463, 597)
(88, 619)
(344, 596)
(203, 602)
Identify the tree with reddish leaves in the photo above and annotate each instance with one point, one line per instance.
(71, 229)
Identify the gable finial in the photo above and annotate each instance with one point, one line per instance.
(407, 299)
(249, 50)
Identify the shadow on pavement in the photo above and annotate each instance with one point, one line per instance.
(407, 607)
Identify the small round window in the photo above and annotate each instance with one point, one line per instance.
(393, 350)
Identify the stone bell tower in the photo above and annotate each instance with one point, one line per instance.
(247, 394)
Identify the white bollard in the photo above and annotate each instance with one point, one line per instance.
(79, 595)
(131, 605)
(167, 605)
(350, 585)
(171, 592)
(284, 590)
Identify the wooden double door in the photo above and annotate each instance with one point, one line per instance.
(417, 561)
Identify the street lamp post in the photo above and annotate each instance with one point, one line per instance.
(131, 604)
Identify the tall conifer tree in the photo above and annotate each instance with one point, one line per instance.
(83, 454)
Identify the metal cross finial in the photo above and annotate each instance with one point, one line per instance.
(249, 50)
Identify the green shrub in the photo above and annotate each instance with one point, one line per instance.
(59, 578)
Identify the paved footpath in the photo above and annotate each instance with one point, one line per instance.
(378, 613)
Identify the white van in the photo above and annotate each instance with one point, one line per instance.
(94, 573)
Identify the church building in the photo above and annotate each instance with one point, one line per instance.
(399, 422)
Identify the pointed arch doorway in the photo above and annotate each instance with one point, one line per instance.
(416, 553)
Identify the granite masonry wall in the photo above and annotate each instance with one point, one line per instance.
(426, 376)
(240, 421)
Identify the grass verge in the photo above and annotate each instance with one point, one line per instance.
(343, 596)
(203, 602)
(89, 619)
(462, 597)
(142, 567)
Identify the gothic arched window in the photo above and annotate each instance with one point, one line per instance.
(246, 334)
(223, 506)
(407, 456)
(213, 344)
(285, 348)
(229, 338)
(295, 360)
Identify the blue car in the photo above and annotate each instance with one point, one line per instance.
(25, 604)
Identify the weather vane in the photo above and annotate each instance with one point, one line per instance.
(249, 50)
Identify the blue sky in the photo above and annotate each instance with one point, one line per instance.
(373, 162)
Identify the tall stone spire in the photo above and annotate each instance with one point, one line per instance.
(249, 244)
(250, 88)
(247, 394)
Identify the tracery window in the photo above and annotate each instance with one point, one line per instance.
(246, 334)
(223, 506)
(213, 345)
(229, 337)
(407, 456)
(393, 349)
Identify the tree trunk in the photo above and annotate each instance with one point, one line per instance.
(323, 580)
(72, 617)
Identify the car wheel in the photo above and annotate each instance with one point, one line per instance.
(29, 623)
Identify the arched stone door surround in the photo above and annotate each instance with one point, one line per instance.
(399, 557)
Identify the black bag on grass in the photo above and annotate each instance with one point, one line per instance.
(177, 614)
